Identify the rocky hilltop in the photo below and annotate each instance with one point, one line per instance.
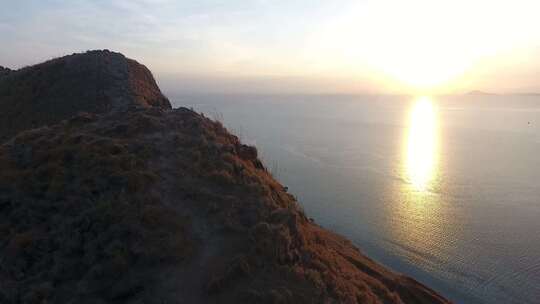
(132, 202)
(96, 82)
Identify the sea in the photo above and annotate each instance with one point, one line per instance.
(445, 189)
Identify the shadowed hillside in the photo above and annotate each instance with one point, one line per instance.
(153, 205)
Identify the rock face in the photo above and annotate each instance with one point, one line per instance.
(152, 205)
(95, 82)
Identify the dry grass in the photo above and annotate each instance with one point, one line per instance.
(89, 195)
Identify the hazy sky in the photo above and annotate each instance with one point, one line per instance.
(297, 46)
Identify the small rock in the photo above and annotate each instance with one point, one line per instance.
(247, 152)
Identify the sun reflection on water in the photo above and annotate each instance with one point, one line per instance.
(418, 222)
(421, 144)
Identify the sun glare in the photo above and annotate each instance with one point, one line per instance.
(422, 144)
(426, 47)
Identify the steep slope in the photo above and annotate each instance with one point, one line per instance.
(152, 205)
(96, 82)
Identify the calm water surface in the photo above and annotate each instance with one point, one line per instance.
(444, 189)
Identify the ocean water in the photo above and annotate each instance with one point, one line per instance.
(444, 189)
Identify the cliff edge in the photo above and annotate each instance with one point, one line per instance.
(153, 205)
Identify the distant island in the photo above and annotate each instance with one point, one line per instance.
(481, 93)
(528, 94)
(108, 195)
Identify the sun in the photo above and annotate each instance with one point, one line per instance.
(422, 46)
(422, 67)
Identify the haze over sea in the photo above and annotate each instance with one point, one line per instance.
(444, 189)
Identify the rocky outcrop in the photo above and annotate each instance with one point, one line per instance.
(94, 82)
(152, 205)
(4, 71)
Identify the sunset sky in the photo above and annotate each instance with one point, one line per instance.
(298, 46)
